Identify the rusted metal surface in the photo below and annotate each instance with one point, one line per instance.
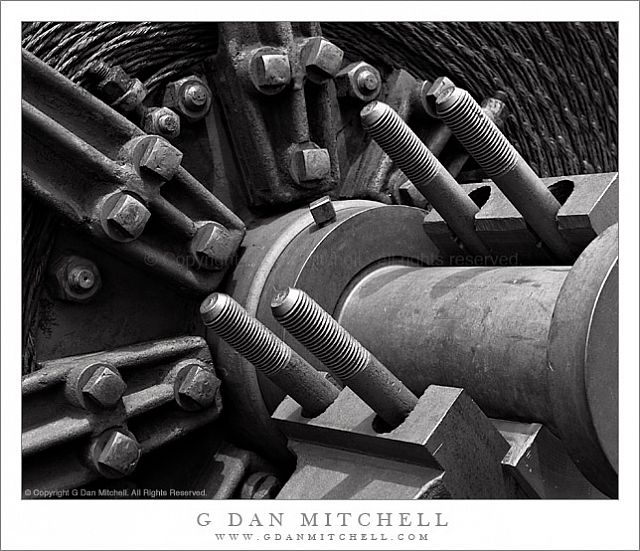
(589, 205)
(282, 102)
(341, 456)
(114, 405)
(117, 184)
(492, 331)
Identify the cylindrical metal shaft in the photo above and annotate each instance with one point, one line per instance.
(425, 172)
(268, 353)
(343, 355)
(500, 160)
(536, 344)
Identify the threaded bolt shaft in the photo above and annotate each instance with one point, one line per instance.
(270, 355)
(425, 172)
(500, 160)
(343, 355)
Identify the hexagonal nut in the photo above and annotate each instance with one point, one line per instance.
(114, 85)
(198, 389)
(308, 166)
(105, 387)
(260, 485)
(162, 121)
(128, 217)
(132, 97)
(429, 92)
(322, 59)
(322, 211)
(213, 246)
(116, 453)
(270, 72)
(190, 97)
(359, 81)
(76, 279)
(161, 158)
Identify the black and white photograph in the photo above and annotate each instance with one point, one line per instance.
(316, 280)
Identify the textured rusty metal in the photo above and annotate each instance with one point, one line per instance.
(115, 405)
(284, 125)
(122, 170)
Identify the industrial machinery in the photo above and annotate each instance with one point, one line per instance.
(264, 260)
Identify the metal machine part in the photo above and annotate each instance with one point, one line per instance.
(470, 329)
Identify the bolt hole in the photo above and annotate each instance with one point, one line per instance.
(561, 190)
(380, 426)
(480, 195)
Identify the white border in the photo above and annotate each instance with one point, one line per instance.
(172, 525)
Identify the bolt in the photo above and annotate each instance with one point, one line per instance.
(104, 387)
(270, 72)
(500, 160)
(360, 81)
(195, 96)
(260, 486)
(308, 166)
(322, 59)
(322, 211)
(81, 279)
(430, 91)
(128, 217)
(116, 453)
(161, 158)
(425, 172)
(76, 279)
(189, 96)
(163, 121)
(345, 357)
(197, 389)
(270, 355)
(213, 246)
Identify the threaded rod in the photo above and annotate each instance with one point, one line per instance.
(425, 172)
(500, 160)
(349, 361)
(252, 340)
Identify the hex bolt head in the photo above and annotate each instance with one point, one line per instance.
(430, 91)
(212, 246)
(196, 388)
(360, 81)
(105, 387)
(116, 453)
(322, 59)
(128, 217)
(161, 158)
(162, 121)
(308, 166)
(75, 278)
(322, 211)
(190, 97)
(195, 95)
(260, 485)
(270, 72)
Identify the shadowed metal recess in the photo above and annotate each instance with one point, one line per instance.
(300, 261)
